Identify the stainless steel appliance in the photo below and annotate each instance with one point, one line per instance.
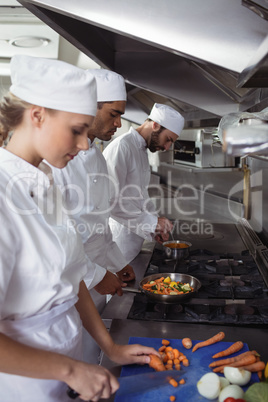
(201, 148)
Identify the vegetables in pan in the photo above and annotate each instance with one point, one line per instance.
(165, 286)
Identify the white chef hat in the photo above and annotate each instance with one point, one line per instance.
(53, 84)
(167, 117)
(110, 86)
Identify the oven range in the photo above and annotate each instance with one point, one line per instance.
(233, 291)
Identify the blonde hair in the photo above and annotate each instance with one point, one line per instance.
(11, 114)
(12, 111)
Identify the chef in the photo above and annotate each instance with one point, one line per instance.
(84, 183)
(43, 298)
(133, 215)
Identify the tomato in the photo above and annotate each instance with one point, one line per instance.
(231, 399)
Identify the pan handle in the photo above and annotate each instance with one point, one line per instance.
(131, 290)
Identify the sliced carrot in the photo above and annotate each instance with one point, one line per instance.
(162, 349)
(168, 348)
(172, 398)
(165, 342)
(176, 353)
(185, 362)
(177, 366)
(173, 382)
(182, 381)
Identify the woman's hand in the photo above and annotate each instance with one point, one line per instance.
(131, 354)
(92, 382)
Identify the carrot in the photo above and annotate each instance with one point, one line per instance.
(245, 361)
(177, 366)
(176, 353)
(231, 360)
(235, 347)
(257, 366)
(169, 348)
(172, 398)
(156, 363)
(170, 354)
(162, 349)
(165, 342)
(182, 381)
(185, 362)
(187, 343)
(216, 338)
(173, 382)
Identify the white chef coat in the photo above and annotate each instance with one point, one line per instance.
(42, 262)
(133, 215)
(84, 183)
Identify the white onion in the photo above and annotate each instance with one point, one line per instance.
(234, 391)
(224, 382)
(209, 385)
(237, 376)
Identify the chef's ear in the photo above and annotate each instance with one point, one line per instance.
(156, 126)
(37, 115)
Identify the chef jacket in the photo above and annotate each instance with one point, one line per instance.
(84, 183)
(133, 215)
(42, 257)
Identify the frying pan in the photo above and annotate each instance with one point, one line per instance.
(167, 299)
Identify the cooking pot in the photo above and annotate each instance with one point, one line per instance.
(177, 249)
(167, 299)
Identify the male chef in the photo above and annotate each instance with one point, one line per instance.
(85, 186)
(133, 216)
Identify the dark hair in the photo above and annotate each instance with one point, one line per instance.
(161, 127)
(100, 104)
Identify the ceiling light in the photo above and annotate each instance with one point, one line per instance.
(29, 41)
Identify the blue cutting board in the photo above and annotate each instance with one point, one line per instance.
(199, 365)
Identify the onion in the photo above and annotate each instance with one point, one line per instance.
(237, 376)
(224, 382)
(233, 391)
(209, 385)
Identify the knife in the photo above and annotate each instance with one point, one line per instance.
(139, 383)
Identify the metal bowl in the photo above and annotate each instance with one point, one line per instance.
(177, 249)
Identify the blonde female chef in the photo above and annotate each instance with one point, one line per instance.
(43, 298)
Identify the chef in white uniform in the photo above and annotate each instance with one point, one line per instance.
(133, 215)
(43, 298)
(84, 183)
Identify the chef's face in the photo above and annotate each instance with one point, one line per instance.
(107, 120)
(161, 140)
(62, 136)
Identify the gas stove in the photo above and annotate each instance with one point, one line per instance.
(233, 291)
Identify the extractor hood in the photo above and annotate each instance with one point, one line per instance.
(199, 57)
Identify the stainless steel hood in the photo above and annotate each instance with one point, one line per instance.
(199, 57)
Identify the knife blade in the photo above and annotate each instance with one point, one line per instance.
(139, 383)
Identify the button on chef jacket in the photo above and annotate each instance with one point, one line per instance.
(133, 215)
(42, 258)
(84, 183)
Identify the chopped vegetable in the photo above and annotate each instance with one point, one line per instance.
(156, 363)
(165, 342)
(187, 343)
(216, 338)
(173, 382)
(172, 398)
